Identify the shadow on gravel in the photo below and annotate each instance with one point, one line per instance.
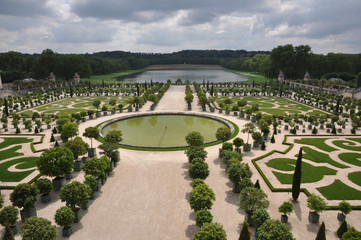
(191, 230)
(233, 198)
(313, 227)
(297, 209)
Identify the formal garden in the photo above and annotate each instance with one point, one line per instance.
(51, 148)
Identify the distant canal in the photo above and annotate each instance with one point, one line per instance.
(193, 75)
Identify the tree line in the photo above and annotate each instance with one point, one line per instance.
(16, 66)
(294, 61)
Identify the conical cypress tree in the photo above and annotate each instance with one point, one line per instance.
(342, 229)
(56, 144)
(256, 185)
(245, 233)
(6, 109)
(281, 89)
(321, 235)
(296, 183)
(52, 138)
(263, 146)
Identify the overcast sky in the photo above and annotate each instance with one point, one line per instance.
(87, 26)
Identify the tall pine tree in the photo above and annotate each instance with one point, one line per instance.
(321, 235)
(296, 183)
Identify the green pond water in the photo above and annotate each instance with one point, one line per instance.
(163, 130)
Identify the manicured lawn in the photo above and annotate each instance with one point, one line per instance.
(15, 140)
(78, 104)
(255, 76)
(355, 177)
(349, 145)
(316, 142)
(352, 158)
(7, 176)
(9, 153)
(320, 157)
(110, 77)
(310, 173)
(268, 104)
(339, 191)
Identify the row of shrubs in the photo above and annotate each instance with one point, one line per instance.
(57, 162)
(202, 196)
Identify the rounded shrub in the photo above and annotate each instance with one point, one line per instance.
(203, 216)
(64, 216)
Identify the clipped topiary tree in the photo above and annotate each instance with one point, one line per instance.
(286, 208)
(252, 198)
(223, 134)
(245, 232)
(248, 128)
(345, 209)
(38, 228)
(24, 196)
(64, 217)
(92, 182)
(275, 230)
(198, 168)
(317, 204)
(194, 139)
(212, 231)
(238, 142)
(201, 197)
(75, 194)
(203, 216)
(234, 172)
(77, 146)
(195, 152)
(94, 166)
(56, 162)
(114, 136)
(45, 186)
(259, 216)
(91, 132)
(70, 130)
(196, 182)
(9, 216)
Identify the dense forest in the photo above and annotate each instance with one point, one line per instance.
(294, 61)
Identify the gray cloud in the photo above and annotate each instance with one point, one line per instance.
(24, 8)
(80, 32)
(129, 10)
(166, 25)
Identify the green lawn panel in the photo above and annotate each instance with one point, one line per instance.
(339, 191)
(352, 158)
(355, 177)
(310, 173)
(16, 140)
(316, 142)
(9, 153)
(7, 176)
(347, 144)
(320, 157)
